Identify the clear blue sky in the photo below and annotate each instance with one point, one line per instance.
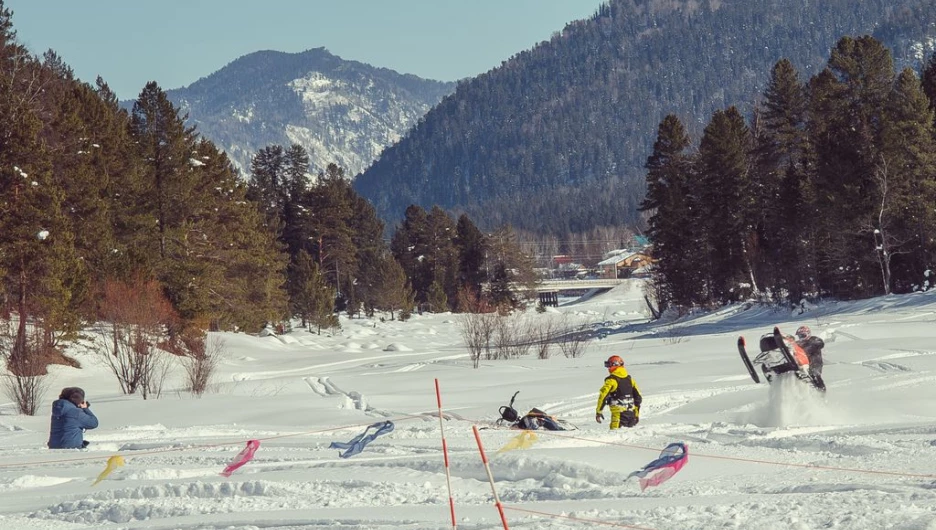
(176, 42)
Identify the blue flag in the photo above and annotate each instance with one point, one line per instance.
(356, 445)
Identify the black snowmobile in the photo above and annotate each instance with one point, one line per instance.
(531, 421)
(778, 355)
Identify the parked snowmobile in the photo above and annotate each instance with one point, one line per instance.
(535, 419)
(778, 355)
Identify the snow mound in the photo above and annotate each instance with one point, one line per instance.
(33, 481)
(396, 347)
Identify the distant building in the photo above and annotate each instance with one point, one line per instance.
(623, 263)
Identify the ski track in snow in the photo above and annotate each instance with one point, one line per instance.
(300, 393)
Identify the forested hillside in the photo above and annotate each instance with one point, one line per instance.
(828, 190)
(131, 223)
(555, 139)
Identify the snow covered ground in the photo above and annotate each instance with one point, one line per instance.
(863, 457)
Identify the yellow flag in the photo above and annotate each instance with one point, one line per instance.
(112, 463)
(521, 441)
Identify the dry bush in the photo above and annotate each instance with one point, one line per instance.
(511, 337)
(573, 339)
(26, 382)
(201, 360)
(673, 334)
(137, 319)
(477, 324)
(543, 333)
(477, 330)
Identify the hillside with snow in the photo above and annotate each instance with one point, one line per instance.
(861, 457)
(340, 111)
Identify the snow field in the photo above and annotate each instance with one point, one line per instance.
(862, 456)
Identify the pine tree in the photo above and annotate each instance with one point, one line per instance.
(393, 290)
(511, 270)
(673, 225)
(166, 145)
(268, 185)
(441, 258)
(471, 246)
(929, 80)
(36, 247)
(311, 298)
(409, 249)
(778, 181)
(244, 265)
(847, 102)
(726, 205)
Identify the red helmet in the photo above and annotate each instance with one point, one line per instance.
(803, 332)
(613, 362)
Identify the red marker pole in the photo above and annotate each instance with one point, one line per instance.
(487, 467)
(448, 475)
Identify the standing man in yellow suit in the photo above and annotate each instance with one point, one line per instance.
(619, 392)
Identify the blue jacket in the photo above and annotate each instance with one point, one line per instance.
(68, 424)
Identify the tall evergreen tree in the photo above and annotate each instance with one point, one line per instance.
(166, 144)
(673, 224)
(846, 116)
(311, 297)
(268, 185)
(409, 249)
(782, 213)
(244, 265)
(472, 246)
(36, 246)
(929, 80)
(726, 205)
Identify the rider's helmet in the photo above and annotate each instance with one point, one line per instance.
(803, 333)
(613, 362)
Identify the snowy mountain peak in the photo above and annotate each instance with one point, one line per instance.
(342, 112)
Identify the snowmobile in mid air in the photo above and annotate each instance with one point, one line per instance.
(778, 355)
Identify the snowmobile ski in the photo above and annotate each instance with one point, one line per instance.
(747, 360)
(784, 349)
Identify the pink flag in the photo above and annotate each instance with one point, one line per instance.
(246, 455)
(671, 460)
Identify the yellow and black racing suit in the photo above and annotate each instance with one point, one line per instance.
(621, 393)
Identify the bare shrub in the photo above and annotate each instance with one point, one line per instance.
(674, 335)
(543, 333)
(137, 319)
(477, 330)
(24, 384)
(25, 381)
(574, 338)
(512, 337)
(203, 355)
(476, 324)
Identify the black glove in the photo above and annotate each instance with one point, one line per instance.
(598, 417)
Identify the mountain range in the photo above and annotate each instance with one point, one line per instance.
(555, 138)
(340, 111)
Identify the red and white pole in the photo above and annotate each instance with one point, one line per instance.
(448, 475)
(487, 467)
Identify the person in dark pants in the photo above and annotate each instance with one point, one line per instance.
(621, 393)
(71, 416)
(812, 345)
